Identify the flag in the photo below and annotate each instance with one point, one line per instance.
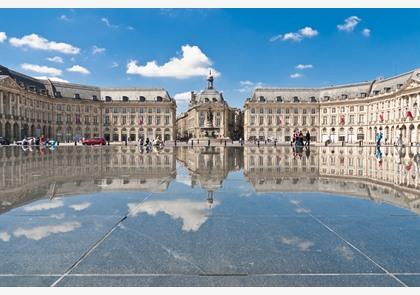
(381, 117)
(141, 120)
(342, 120)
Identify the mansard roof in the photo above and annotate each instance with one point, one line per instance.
(336, 92)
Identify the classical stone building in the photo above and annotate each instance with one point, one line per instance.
(31, 107)
(209, 116)
(348, 113)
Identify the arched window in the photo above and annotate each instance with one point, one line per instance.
(295, 99)
(313, 99)
(279, 99)
(108, 98)
(125, 98)
(159, 98)
(142, 98)
(206, 99)
(262, 98)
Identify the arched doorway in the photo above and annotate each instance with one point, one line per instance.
(69, 134)
(44, 131)
(8, 130)
(25, 131)
(16, 132)
(412, 134)
(360, 134)
(87, 133)
(107, 134)
(158, 133)
(132, 135)
(167, 134)
(115, 134)
(95, 132)
(124, 134)
(59, 134)
(32, 130)
(141, 133)
(49, 132)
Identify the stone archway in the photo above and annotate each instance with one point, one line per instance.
(8, 130)
(32, 130)
(115, 134)
(167, 135)
(141, 133)
(16, 131)
(132, 135)
(124, 134)
(107, 134)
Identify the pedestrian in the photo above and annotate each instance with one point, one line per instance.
(308, 138)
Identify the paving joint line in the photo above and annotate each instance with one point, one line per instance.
(94, 246)
(354, 247)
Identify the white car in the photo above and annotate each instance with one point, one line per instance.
(26, 141)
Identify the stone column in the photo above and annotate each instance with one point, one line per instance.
(119, 134)
(1, 103)
(137, 134)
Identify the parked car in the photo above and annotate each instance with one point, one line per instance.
(26, 140)
(94, 141)
(4, 141)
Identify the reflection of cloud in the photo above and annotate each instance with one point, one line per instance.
(40, 232)
(193, 214)
(81, 206)
(294, 202)
(346, 252)
(57, 216)
(302, 245)
(302, 210)
(44, 206)
(4, 236)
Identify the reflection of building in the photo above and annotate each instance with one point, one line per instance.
(338, 170)
(342, 113)
(27, 176)
(209, 166)
(31, 107)
(209, 116)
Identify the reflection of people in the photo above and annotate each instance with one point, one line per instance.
(378, 154)
(308, 138)
(378, 138)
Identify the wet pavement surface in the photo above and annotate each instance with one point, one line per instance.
(267, 216)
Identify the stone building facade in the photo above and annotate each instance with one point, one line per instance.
(346, 113)
(209, 116)
(67, 112)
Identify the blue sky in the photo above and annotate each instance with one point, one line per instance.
(245, 47)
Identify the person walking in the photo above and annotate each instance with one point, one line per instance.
(308, 138)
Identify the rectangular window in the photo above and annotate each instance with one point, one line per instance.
(261, 120)
(166, 120)
(149, 119)
(252, 120)
(157, 120)
(124, 120)
(304, 120)
(313, 122)
(333, 120)
(132, 120)
(115, 120)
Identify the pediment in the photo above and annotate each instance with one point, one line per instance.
(8, 82)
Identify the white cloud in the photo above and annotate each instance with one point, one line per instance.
(296, 75)
(4, 236)
(306, 32)
(303, 67)
(108, 23)
(184, 96)
(44, 206)
(37, 42)
(3, 37)
(193, 214)
(192, 63)
(248, 86)
(366, 32)
(130, 28)
(349, 24)
(81, 206)
(78, 69)
(56, 59)
(114, 64)
(40, 232)
(96, 50)
(54, 79)
(41, 69)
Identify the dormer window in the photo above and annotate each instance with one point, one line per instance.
(58, 94)
(279, 99)
(206, 99)
(125, 98)
(295, 99)
(142, 98)
(387, 89)
(108, 98)
(214, 99)
(363, 94)
(77, 96)
(262, 98)
(94, 97)
(376, 92)
(326, 97)
(313, 99)
(159, 98)
(399, 86)
(344, 96)
(44, 91)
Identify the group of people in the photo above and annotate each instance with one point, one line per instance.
(301, 140)
(157, 142)
(42, 141)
